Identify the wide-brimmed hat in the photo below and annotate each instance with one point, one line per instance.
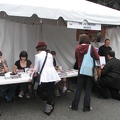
(41, 44)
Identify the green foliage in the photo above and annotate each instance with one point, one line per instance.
(115, 4)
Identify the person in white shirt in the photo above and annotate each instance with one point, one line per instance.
(49, 76)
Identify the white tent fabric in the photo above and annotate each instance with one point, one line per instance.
(114, 35)
(16, 37)
(16, 34)
(69, 10)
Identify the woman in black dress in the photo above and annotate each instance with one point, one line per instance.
(21, 64)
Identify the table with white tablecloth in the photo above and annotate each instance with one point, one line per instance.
(4, 81)
(26, 78)
(71, 75)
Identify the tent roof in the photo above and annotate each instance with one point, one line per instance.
(69, 10)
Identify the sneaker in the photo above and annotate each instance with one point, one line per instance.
(21, 94)
(27, 95)
(87, 110)
(72, 108)
(57, 93)
(64, 89)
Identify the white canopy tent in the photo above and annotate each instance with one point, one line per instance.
(19, 31)
(69, 10)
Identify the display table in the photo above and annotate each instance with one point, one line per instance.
(62, 74)
(68, 73)
(12, 81)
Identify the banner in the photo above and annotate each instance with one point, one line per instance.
(83, 25)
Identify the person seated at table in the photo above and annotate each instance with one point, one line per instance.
(109, 84)
(57, 93)
(48, 51)
(21, 64)
(6, 91)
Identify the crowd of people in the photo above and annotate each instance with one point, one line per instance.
(107, 86)
(49, 77)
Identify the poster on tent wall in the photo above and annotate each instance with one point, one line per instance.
(94, 35)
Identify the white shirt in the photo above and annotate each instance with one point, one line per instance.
(49, 74)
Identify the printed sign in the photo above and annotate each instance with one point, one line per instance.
(83, 25)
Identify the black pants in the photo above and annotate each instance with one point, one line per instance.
(8, 91)
(87, 82)
(106, 91)
(45, 91)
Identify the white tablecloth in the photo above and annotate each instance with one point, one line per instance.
(62, 74)
(68, 73)
(12, 81)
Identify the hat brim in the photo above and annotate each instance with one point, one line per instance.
(41, 46)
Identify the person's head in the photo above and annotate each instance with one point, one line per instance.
(111, 54)
(41, 46)
(107, 42)
(0, 53)
(84, 39)
(48, 51)
(53, 53)
(23, 55)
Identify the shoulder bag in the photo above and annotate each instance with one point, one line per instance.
(87, 64)
(96, 69)
(37, 79)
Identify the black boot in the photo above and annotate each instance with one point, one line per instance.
(0, 112)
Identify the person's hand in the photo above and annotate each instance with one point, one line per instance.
(2, 60)
(30, 80)
(2, 71)
(57, 68)
(102, 66)
(35, 74)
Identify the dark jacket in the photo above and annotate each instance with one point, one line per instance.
(111, 73)
(82, 49)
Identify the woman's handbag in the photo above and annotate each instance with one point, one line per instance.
(87, 64)
(37, 78)
(96, 69)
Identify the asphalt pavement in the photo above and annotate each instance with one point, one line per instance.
(32, 109)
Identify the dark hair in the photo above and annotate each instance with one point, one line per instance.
(111, 53)
(53, 52)
(48, 50)
(107, 39)
(0, 53)
(83, 38)
(23, 54)
(41, 48)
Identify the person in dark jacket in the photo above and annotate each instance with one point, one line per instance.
(109, 84)
(104, 49)
(80, 51)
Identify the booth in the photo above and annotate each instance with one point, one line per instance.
(26, 22)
